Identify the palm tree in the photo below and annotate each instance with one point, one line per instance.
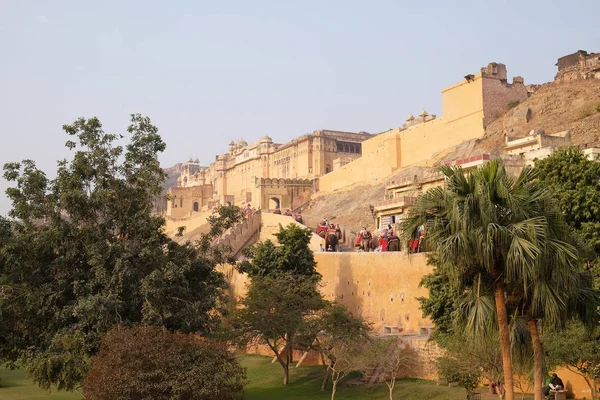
(488, 223)
(559, 292)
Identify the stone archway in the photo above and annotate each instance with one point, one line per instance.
(196, 206)
(274, 203)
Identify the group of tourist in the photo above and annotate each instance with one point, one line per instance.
(322, 249)
(326, 224)
(287, 213)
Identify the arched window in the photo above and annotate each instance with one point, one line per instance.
(174, 202)
(327, 169)
(181, 201)
(196, 206)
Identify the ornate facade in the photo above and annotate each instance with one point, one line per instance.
(263, 174)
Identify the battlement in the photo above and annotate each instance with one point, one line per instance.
(578, 65)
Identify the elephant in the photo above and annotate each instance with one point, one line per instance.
(331, 241)
(393, 243)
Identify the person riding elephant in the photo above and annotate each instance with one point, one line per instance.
(393, 243)
(366, 240)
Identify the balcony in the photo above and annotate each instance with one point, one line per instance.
(397, 202)
(470, 162)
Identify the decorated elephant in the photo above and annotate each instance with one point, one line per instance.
(366, 241)
(393, 243)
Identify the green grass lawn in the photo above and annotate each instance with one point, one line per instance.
(265, 383)
(15, 386)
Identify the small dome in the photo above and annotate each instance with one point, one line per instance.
(232, 143)
(410, 118)
(266, 139)
(196, 160)
(190, 160)
(242, 143)
(423, 113)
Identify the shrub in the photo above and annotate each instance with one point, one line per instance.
(585, 112)
(152, 363)
(513, 104)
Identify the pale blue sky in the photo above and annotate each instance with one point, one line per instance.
(209, 72)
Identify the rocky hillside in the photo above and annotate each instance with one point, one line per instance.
(172, 175)
(553, 108)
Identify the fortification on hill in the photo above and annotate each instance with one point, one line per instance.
(361, 180)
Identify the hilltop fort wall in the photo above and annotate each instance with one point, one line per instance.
(381, 287)
(467, 108)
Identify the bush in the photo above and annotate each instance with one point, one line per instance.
(513, 104)
(585, 112)
(152, 363)
(462, 372)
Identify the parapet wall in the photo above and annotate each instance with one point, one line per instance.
(381, 287)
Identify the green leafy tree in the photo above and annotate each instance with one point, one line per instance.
(575, 183)
(292, 255)
(578, 349)
(83, 253)
(282, 296)
(461, 371)
(275, 311)
(488, 224)
(152, 363)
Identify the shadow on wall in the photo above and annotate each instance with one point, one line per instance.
(346, 287)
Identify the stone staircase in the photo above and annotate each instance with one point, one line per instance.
(242, 235)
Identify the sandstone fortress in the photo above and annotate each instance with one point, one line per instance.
(379, 176)
(267, 175)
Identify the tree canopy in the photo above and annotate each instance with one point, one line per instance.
(82, 253)
(292, 256)
(575, 183)
(282, 296)
(503, 233)
(152, 363)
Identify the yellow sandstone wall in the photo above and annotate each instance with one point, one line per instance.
(462, 119)
(381, 287)
(372, 285)
(574, 383)
(270, 225)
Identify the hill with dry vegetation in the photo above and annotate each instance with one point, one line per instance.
(555, 107)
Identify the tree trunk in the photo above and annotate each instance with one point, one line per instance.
(504, 339)
(284, 364)
(286, 374)
(326, 370)
(391, 387)
(538, 360)
(325, 381)
(288, 360)
(334, 388)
